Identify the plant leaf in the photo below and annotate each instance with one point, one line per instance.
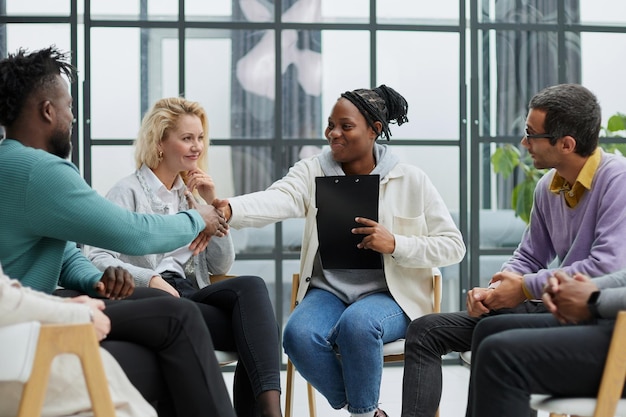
(522, 199)
(505, 159)
(616, 123)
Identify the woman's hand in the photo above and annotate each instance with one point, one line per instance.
(101, 322)
(158, 282)
(377, 237)
(201, 181)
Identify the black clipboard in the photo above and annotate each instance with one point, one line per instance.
(339, 200)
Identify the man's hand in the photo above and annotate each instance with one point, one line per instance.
(101, 322)
(200, 242)
(569, 296)
(507, 291)
(158, 282)
(116, 283)
(377, 237)
(475, 301)
(214, 220)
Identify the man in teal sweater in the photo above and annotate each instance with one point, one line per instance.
(46, 206)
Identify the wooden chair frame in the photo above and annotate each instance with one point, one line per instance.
(394, 357)
(55, 339)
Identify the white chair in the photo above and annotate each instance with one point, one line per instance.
(27, 350)
(392, 352)
(608, 402)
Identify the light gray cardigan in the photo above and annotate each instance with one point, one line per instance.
(133, 193)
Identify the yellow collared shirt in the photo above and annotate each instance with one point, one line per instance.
(573, 194)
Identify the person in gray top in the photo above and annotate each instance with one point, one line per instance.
(170, 152)
(563, 353)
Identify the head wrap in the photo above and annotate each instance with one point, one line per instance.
(382, 104)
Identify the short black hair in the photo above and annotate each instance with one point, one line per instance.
(571, 110)
(22, 73)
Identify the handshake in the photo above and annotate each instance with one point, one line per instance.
(214, 218)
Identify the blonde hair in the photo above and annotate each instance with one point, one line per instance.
(155, 125)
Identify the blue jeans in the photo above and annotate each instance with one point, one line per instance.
(323, 327)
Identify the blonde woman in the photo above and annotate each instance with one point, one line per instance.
(170, 152)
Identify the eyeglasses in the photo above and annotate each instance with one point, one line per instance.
(528, 136)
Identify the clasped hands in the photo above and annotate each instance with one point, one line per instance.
(567, 297)
(564, 296)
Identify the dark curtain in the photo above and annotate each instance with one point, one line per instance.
(527, 61)
(253, 103)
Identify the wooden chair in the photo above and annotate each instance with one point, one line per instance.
(28, 350)
(392, 352)
(608, 402)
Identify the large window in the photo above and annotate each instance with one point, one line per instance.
(268, 73)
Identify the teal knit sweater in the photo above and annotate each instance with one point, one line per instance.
(45, 206)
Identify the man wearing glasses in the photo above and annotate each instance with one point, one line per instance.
(578, 219)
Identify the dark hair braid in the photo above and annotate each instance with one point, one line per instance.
(382, 104)
(22, 73)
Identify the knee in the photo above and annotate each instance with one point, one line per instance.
(252, 284)
(293, 336)
(490, 352)
(357, 325)
(181, 309)
(485, 328)
(419, 330)
(298, 337)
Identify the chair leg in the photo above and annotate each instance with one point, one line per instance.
(289, 395)
(34, 392)
(311, 394)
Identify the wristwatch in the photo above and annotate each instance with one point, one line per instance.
(592, 304)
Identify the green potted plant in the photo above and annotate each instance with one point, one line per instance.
(509, 157)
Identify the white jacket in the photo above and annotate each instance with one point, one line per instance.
(410, 207)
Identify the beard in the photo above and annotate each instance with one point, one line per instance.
(60, 144)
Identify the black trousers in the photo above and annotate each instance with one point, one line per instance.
(430, 337)
(164, 348)
(239, 315)
(518, 354)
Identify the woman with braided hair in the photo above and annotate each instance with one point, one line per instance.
(353, 312)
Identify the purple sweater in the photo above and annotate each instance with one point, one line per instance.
(589, 239)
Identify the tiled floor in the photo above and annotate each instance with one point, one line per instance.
(455, 381)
